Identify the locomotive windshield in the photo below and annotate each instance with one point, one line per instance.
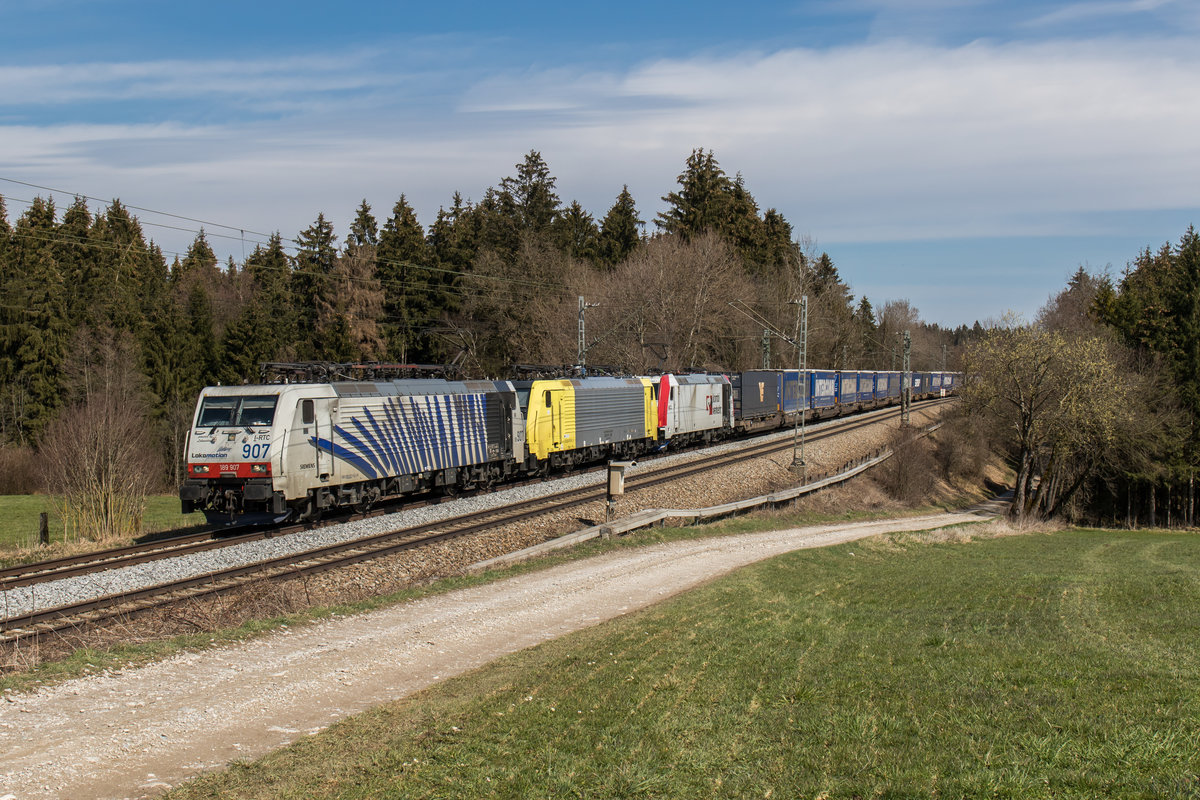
(241, 412)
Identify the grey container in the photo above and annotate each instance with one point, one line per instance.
(756, 394)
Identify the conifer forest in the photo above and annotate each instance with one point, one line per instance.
(96, 322)
(94, 313)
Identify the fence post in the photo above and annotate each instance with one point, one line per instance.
(44, 529)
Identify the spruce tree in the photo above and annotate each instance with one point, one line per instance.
(31, 244)
(703, 200)
(824, 278)
(453, 237)
(744, 228)
(43, 345)
(34, 333)
(174, 377)
(75, 254)
(708, 200)
(271, 273)
(532, 193)
(409, 286)
(314, 288)
(620, 231)
(359, 291)
(864, 317)
(1182, 335)
(7, 310)
(200, 261)
(364, 231)
(498, 224)
(781, 252)
(5, 230)
(242, 348)
(202, 341)
(34, 233)
(126, 268)
(575, 233)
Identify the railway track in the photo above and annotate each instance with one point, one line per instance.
(96, 610)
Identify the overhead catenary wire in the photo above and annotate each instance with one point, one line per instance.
(290, 247)
(500, 287)
(136, 208)
(51, 236)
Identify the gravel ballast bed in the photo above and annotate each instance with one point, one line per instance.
(735, 482)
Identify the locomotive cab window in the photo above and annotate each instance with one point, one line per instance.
(548, 405)
(216, 411)
(256, 411)
(307, 414)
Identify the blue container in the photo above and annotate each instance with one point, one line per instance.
(822, 388)
(847, 388)
(795, 392)
(866, 387)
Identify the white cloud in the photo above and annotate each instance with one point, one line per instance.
(1106, 8)
(902, 140)
(871, 142)
(296, 79)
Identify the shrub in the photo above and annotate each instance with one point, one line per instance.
(99, 456)
(911, 473)
(19, 472)
(962, 450)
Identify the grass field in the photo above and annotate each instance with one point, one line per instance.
(1060, 665)
(19, 517)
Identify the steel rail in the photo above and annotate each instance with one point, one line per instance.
(171, 546)
(378, 545)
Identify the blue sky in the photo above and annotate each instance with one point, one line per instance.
(965, 155)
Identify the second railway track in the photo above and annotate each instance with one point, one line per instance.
(97, 609)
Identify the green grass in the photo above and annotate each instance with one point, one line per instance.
(19, 518)
(1059, 665)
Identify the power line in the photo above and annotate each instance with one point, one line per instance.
(57, 235)
(136, 208)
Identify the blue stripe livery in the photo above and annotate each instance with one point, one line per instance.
(412, 434)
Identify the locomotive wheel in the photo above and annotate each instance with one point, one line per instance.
(312, 511)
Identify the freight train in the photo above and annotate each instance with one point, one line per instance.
(296, 449)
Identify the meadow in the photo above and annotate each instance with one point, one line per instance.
(1040, 665)
(19, 518)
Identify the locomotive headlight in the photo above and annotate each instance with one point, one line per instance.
(200, 469)
(260, 469)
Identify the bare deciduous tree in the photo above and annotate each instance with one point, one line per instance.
(668, 307)
(99, 456)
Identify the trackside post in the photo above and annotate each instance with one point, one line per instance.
(616, 485)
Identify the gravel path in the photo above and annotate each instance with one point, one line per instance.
(25, 599)
(136, 733)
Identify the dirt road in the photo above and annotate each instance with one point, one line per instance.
(137, 733)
